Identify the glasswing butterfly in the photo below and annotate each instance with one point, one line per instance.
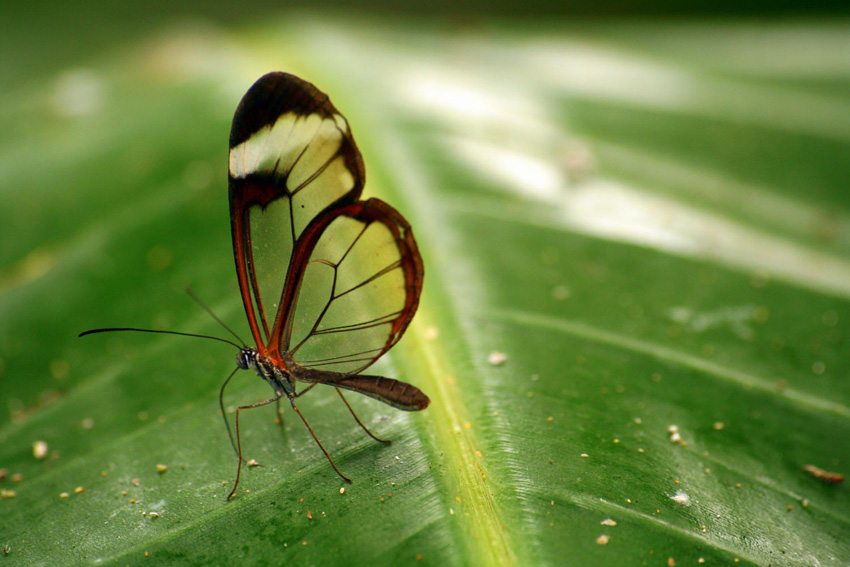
(329, 282)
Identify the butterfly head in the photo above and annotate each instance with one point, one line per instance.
(247, 358)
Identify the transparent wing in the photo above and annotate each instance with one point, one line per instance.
(353, 286)
(291, 157)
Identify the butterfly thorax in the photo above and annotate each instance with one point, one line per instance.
(277, 376)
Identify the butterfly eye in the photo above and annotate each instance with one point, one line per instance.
(244, 358)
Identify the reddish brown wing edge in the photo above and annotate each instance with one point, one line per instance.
(368, 211)
(269, 98)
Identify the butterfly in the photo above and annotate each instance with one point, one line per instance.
(329, 282)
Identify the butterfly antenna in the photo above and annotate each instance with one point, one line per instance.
(214, 316)
(113, 329)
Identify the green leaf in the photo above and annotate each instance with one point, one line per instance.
(634, 329)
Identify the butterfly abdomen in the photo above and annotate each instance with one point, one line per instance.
(393, 392)
(398, 394)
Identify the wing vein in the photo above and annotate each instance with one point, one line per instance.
(318, 172)
(376, 322)
(343, 357)
(384, 271)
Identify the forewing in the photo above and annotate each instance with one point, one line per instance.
(291, 157)
(354, 285)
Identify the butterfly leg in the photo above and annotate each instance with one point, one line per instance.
(278, 413)
(305, 390)
(319, 443)
(357, 419)
(224, 413)
(279, 420)
(239, 440)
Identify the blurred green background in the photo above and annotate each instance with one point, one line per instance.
(634, 221)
